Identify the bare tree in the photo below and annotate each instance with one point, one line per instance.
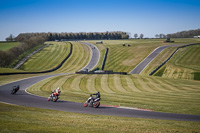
(162, 35)
(157, 36)
(10, 38)
(141, 36)
(135, 35)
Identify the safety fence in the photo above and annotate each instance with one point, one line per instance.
(101, 72)
(104, 59)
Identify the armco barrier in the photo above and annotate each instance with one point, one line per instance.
(170, 57)
(104, 59)
(51, 70)
(100, 72)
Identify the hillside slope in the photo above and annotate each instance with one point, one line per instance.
(184, 65)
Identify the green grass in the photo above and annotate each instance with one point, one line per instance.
(126, 58)
(9, 70)
(26, 119)
(164, 55)
(158, 94)
(52, 55)
(5, 46)
(80, 57)
(184, 64)
(22, 56)
(47, 58)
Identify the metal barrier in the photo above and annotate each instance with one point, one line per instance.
(104, 59)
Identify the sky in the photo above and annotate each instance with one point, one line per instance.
(148, 17)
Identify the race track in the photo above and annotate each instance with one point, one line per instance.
(95, 56)
(23, 98)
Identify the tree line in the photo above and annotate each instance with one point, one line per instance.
(8, 57)
(75, 36)
(185, 34)
(30, 40)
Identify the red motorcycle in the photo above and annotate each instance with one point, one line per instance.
(53, 97)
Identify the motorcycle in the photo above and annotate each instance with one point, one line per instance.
(91, 102)
(53, 97)
(15, 89)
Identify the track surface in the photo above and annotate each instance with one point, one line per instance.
(138, 69)
(22, 98)
(95, 56)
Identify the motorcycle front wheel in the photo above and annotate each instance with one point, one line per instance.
(55, 99)
(85, 104)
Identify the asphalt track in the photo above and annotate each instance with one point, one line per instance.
(138, 69)
(95, 57)
(23, 98)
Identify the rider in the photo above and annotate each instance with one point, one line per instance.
(16, 87)
(95, 98)
(56, 92)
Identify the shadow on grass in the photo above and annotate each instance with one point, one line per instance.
(196, 75)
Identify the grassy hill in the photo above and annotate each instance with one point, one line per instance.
(124, 59)
(47, 58)
(158, 94)
(184, 64)
(140, 91)
(4, 46)
(52, 55)
(80, 57)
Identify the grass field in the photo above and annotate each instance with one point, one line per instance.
(47, 58)
(140, 91)
(124, 59)
(80, 57)
(164, 55)
(25, 119)
(158, 94)
(52, 55)
(185, 64)
(4, 46)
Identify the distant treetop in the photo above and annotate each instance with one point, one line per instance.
(185, 34)
(50, 36)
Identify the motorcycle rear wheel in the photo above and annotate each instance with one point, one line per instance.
(96, 104)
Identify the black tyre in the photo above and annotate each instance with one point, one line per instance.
(85, 104)
(13, 92)
(55, 99)
(96, 104)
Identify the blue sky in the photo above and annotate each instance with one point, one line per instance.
(149, 17)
